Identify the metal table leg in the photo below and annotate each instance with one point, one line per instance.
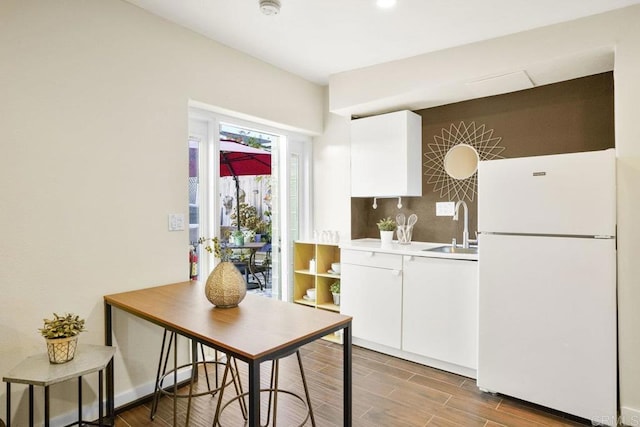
(46, 406)
(254, 393)
(175, 382)
(8, 404)
(79, 400)
(100, 398)
(31, 405)
(108, 340)
(347, 376)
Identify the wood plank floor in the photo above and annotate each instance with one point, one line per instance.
(386, 392)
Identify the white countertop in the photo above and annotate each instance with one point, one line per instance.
(412, 249)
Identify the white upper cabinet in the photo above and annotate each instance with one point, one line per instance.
(386, 155)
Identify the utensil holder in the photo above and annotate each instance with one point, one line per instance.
(404, 234)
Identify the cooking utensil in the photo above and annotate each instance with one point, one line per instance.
(408, 231)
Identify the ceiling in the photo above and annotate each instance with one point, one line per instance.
(317, 38)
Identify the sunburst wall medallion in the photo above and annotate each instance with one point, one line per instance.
(471, 137)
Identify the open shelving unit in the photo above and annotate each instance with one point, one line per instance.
(320, 279)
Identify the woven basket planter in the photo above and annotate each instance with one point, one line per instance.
(62, 350)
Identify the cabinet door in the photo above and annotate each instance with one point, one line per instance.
(373, 296)
(386, 155)
(440, 309)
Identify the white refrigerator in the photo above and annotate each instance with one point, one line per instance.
(547, 281)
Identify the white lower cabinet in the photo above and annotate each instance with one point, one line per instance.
(373, 296)
(440, 309)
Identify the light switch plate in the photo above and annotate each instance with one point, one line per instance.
(445, 208)
(176, 222)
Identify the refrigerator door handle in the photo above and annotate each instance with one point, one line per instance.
(571, 236)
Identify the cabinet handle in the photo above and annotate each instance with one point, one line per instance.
(395, 272)
(370, 254)
(410, 258)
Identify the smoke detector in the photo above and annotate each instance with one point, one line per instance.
(270, 7)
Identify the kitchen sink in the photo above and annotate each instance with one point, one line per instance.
(453, 250)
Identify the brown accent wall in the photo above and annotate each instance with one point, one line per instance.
(572, 116)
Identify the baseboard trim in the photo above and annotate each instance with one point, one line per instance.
(423, 360)
(123, 401)
(629, 416)
(145, 394)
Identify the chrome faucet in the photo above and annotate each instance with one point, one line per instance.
(465, 233)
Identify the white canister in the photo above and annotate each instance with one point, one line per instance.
(312, 265)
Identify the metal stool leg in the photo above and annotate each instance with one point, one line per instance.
(237, 383)
(230, 367)
(194, 373)
(306, 388)
(163, 361)
(156, 391)
(275, 369)
(273, 391)
(162, 373)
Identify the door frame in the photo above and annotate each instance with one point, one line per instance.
(289, 143)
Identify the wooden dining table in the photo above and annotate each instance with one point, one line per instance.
(258, 330)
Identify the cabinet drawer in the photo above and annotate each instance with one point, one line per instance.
(371, 259)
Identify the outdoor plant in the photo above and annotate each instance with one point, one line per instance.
(335, 287)
(249, 220)
(68, 325)
(386, 224)
(263, 227)
(248, 217)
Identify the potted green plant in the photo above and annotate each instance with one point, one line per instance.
(335, 292)
(386, 226)
(263, 229)
(237, 236)
(61, 334)
(253, 226)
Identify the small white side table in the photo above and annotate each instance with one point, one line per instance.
(37, 370)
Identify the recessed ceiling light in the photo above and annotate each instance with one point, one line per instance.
(385, 4)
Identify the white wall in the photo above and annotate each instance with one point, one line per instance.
(371, 89)
(93, 128)
(627, 94)
(332, 176)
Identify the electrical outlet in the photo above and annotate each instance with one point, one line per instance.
(445, 208)
(176, 222)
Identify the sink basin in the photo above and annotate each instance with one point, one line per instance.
(453, 250)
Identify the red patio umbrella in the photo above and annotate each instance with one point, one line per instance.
(239, 160)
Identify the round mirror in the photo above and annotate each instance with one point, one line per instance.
(461, 161)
